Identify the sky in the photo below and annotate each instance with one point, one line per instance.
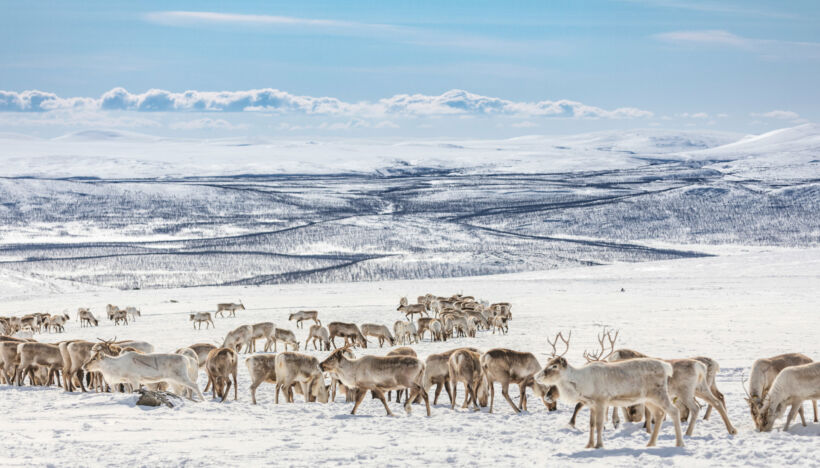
(412, 68)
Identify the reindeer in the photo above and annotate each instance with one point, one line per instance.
(601, 384)
(266, 330)
(220, 365)
(56, 323)
(507, 366)
(377, 374)
(133, 313)
(230, 307)
(240, 336)
(500, 324)
(298, 368)
(200, 318)
(402, 333)
(412, 309)
(86, 318)
(465, 366)
(261, 368)
(320, 334)
(792, 386)
(764, 373)
(349, 331)
(305, 315)
(110, 310)
(202, 350)
(428, 324)
(120, 316)
(33, 355)
(380, 332)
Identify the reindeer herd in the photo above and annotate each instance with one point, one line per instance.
(643, 388)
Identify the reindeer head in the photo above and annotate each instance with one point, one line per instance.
(331, 363)
(551, 373)
(755, 404)
(241, 305)
(768, 414)
(290, 317)
(319, 390)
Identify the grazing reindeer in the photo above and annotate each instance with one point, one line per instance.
(507, 366)
(305, 315)
(465, 366)
(220, 366)
(240, 336)
(377, 374)
(349, 331)
(285, 336)
(294, 368)
(380, 332)
(202, 317)
(230, 307)
(430, 324)
(320, 334)
(764, 372)
(261, 368)
(402, 332)
(266, 330)
(437, 372)
(86, 318)
(792, 386)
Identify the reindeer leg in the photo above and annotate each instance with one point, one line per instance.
(359, 397)
(505, 391)
(438, 392)
(591, 441)
(791, 415)
(714, 402)
(578, 407)
(694, 409)
(600, 411)
(814, 406)
(802, 414)
(380, 395)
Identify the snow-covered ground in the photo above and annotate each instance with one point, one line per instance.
(734, 308)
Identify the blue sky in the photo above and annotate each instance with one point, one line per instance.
(525, 67)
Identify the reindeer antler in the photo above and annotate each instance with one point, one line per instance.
(743, 384)
(599, 356)
(555, 341)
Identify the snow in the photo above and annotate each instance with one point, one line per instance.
(113, 154)
(733, 308)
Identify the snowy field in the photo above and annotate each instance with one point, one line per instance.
(734, 308)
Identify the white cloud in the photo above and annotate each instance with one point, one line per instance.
(451, 103)
(790, 116)
(386, 32)
(778, 114)
(705, 37)
(204, 123)
(524, 124)
(695, 115)
(770, 48)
